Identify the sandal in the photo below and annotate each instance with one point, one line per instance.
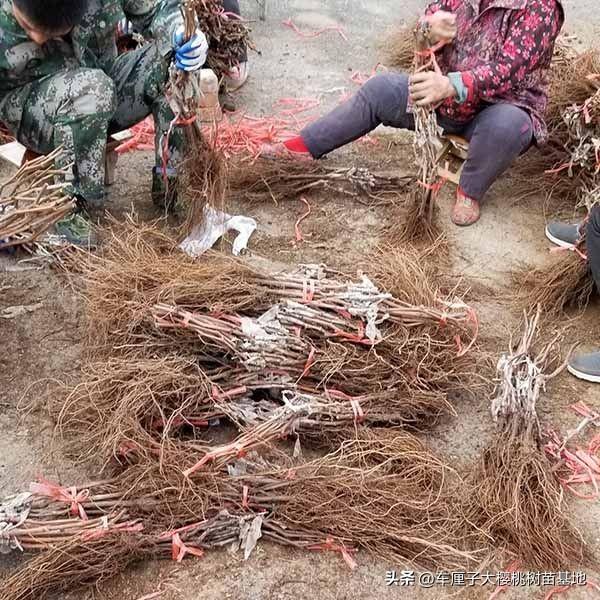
(466, 210)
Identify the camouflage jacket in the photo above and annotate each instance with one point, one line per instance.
(503, 51)
(91, 44)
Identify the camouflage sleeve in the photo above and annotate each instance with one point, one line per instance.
(155, 19)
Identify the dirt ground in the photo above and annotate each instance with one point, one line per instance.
(45, 344)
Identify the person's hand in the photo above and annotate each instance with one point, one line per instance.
(429, 88)
(191, 55)
(442, 26)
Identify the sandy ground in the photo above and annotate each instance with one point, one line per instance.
(45, 344)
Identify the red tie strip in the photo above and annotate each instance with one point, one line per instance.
(474, 321)
(219, 395)
(356, 338)
(179, 549)
(434, 188)
(177, 121)
(575, 249)
(310, 361)
(128, 447)
(561, 590)
(234, 449)
(359, 415)
(62, 494)
(312, 34)
(583, 410)
(361, 78)
(308, 290)
(169, 534)
(290, 107)
(502, 588)
(301, 218)
(142, 137)
(290, 475)
(330, 545)
(344, 313)
(584, 467)
(429, 52)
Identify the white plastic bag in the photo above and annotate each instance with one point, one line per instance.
(215, 224)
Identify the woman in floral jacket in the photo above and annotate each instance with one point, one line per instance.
(494, 58)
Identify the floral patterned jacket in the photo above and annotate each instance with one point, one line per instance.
(503, 51)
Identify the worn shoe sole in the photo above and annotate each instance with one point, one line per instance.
(557, 241)
(581, 375)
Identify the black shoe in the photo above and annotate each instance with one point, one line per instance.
(586, 366)
(164, 191)
(563, 234)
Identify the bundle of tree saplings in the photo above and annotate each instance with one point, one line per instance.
(139, 266)
(288, 179)
(130, 408)
(565, 167)
(565, 282)
(382, 492)
(228, 36)
(75, 562)
(398, 47)
(419, 224)
(304, 352)
(516, 498)
(32, 200)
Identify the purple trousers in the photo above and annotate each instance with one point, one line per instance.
(496, 135)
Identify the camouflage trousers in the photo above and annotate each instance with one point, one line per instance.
(78, 108)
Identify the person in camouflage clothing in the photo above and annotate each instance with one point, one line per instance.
(62, 82)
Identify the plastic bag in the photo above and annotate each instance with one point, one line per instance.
(215, 224)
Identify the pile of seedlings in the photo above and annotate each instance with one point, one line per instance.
(307, 351)
(419, 224)
(207, 381)
(566, 170)
(565, 283)
(289, 179)
(516, 497)
(32, 200)
(381, 491)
